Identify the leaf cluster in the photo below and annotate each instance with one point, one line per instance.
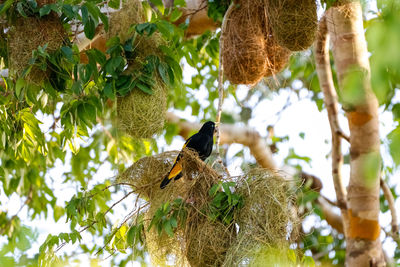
(168, 216)
(225, 202)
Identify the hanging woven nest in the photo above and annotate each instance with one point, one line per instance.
(244, 48)
(142, 115)
(250, 50)
(267, 221)
(294, 23)
(139, 114)
(26, 35)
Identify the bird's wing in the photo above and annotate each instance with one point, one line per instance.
(177, 166)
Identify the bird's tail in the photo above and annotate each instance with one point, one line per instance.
(165, 182)
(168, 179)
(178, 176)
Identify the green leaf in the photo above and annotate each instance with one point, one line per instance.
(19, 86)
(159, 4)
(308, 261)
(90, 28)
(175, 14)
(90, 112)
(85, 15)
(21, 10)
(131, 235)
(145, 88)
(214, 189)
(146, 27)
(69, 54)
(93, 10)
(173, 222)
(394, 145)
(396, 111)
(5, 6)
(96, 56)
(226, 188)
(76, 87)
(165, 28)
(104, 19)
(58, 212)
(108, 91)
(114, 4)
(175, 66)
(68, 11)
(168, 228)
(162, 70)
(45, 10)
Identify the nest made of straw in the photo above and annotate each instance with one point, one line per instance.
(139, 114)
(268, 218)
(25, 36)
(195, 243)
(244, 48)
(294, 23)
(120, 22)
(250, 50)
(142, 115)
(264, 223)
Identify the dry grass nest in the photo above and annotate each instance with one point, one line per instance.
(249, 50)
(120, 22)
(142, 115)
(266, 220)
(294, 24)
(25, 36)
(139, 114)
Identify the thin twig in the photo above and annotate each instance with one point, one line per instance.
(130, 215)
(342, 134)
(107, 187)
(94, 222)
(390, 199)
(221, 86)
(104, 128)
(333, 203)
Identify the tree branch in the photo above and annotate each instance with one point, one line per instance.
(231, 134)
(330, 98)
(332, 218)
(390, 199)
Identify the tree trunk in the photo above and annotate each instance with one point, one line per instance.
(345, 25)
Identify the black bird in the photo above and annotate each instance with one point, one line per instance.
(201, 142)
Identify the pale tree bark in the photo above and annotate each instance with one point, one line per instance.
(345, 26)
(331, 102)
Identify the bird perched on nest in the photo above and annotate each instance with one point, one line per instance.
(201, 142)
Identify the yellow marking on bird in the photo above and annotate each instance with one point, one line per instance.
(185, 144)
(175, 171)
